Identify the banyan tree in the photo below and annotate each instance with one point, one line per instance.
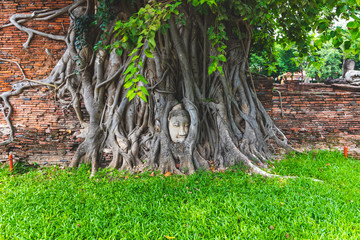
(164, 85)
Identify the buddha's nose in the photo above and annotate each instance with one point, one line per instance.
(182, 131)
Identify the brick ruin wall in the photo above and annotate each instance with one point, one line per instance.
(318, 115)
(46, 131)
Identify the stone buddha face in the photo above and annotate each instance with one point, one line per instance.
(179, 121)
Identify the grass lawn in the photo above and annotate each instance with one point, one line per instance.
(51, 203)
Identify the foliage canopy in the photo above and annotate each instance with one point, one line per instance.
(286, 23)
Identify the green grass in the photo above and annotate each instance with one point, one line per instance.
(51, 203)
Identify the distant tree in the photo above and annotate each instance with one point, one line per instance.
(286, 61)
(280, 60)
(261, 63)
(327, 63)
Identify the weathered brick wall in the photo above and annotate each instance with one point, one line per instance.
(318, 113)
(44, 131)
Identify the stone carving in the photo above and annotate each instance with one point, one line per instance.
(353, 77)
(349, 76)
(349, 64)
(179, 121)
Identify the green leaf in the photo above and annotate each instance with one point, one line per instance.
(142, 96)
(142, 78)
(149, 54)
(131, 66)
(134, 51)
(152, 43)
(144, 90)
(220, 69)
(131, 94)
(116, 44)
(135, 57)
(128, 77)
(139, 45)
(125, 38)
(354, 34)
(222, 58)
(347, 45)
(212, 67)
(337, 42)
(140, 39)
(119, 51)
(352, 24)
(128, 84)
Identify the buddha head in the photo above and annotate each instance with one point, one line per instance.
(179, 121)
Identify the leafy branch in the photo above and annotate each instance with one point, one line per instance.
(138, 35)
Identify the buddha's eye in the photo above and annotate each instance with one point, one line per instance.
(176, 124)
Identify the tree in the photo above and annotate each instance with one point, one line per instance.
(279, 61)
(326, 64)
(130, 64)
(261, 63)
(287, 61)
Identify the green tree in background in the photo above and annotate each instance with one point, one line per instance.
(326, 64)
(287, 62)
(276, 63)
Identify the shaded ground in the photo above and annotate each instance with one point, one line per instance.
(350, 141)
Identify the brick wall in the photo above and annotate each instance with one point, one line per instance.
(318, 114)
(44, 131)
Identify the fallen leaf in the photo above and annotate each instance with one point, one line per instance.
(152, 174)
(69, 131)
(328, 164)
(126, 177)
(212, 169)
(137, 176)
(287, 235)
(168, 237)
(271, 227)
(167, 174)
(78, 225)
